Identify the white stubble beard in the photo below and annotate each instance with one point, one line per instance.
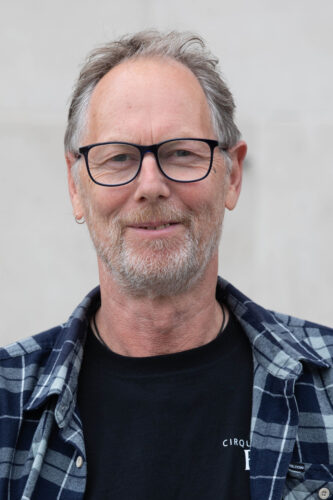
(159, 267)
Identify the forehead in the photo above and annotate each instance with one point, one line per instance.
(159, 94)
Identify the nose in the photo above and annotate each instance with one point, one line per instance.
(151, 184)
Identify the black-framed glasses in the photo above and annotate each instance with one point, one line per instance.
(118, 163)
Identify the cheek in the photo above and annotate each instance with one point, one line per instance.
(209, 195)
(105, 201)
(207, 207)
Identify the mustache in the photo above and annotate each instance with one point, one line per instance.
(151, 213)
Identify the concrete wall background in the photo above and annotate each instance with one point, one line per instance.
(277, 59)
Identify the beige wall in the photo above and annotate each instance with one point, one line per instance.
(277, 58)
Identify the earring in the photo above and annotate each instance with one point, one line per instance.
(79, 220)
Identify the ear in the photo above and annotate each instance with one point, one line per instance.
(237, 155)
(74, 191)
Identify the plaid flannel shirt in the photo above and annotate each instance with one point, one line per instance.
(42, 453)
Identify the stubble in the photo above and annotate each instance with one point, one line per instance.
(162, 266)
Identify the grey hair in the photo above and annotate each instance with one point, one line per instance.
(184, 47)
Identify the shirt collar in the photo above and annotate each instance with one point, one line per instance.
(281, 344)
(60, 374)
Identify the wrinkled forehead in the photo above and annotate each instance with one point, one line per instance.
(148, 90)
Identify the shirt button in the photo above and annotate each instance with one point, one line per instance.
(324, 493)
(79, 463)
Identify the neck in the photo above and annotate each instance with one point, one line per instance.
(151, 326)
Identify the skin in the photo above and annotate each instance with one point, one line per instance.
(134, 103)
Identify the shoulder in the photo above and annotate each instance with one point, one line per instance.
(297, 330)
(37, 346)
(281, 342)
(33, 346)
(254, 313)
(44, 364)
(22, 362)
(22, 365)
(300, 326)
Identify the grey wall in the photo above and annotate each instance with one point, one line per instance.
(277, 58)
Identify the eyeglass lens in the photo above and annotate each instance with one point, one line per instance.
(116, 163)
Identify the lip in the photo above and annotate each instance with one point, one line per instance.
(155, 229)
(153, 224)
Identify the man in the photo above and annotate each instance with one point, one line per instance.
(166, 382)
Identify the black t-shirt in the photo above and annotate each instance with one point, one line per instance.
(170, 427)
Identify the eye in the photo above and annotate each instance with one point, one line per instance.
(121, 157)
(181, 153)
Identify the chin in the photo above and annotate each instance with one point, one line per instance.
(158, 271)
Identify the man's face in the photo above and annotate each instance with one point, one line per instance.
(155, 236)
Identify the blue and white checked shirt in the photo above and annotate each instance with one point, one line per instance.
(42, 453)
